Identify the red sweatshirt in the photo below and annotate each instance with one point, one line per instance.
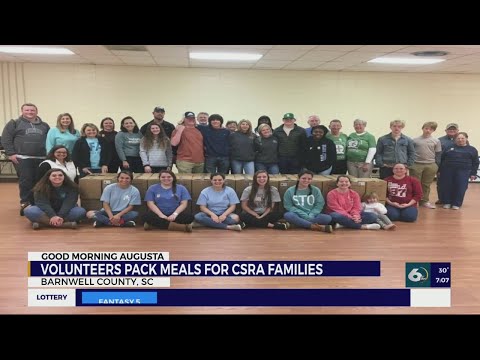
(404, 190)
(347, 204)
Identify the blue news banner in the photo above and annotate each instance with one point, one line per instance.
(415, 274)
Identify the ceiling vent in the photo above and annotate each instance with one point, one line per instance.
(125, 47)
(430, 53)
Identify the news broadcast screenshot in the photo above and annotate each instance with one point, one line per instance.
(295, 179)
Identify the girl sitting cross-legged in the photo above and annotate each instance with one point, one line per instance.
(258, 204)
(304, 204)
(119, 200)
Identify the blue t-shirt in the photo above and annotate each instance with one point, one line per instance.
(218, 201)
(95, 149)
(165, 200)
(119, 198)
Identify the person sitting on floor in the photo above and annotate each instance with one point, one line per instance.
(55, 202)
(119, 200)
(167, 202)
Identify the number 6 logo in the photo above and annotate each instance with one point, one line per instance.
(417, 276)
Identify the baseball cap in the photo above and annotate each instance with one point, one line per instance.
(189, 114)
(159, 109)
(289, 116)
(452, 125)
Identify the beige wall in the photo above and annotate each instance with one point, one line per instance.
(92, 92)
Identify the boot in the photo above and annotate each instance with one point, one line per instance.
(324, 228)
(43, 221)
(173, 226)
(69, 225)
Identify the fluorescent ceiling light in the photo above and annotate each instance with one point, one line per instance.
(224, 56)
(405, 61)
(35, 50)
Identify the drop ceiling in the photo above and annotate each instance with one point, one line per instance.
(460, 58)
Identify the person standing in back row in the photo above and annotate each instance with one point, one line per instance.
(394, 148)
(361, 148)
(447, 141)
(159, 118)
(24, 142)
(428, 151)
(340, 140)
(291, 142)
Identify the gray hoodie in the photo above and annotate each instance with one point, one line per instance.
(23, 137)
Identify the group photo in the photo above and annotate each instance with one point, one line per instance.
(292, 159)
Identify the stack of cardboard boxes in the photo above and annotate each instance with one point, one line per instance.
(91, 186)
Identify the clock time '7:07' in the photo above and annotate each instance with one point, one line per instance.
(443, 280)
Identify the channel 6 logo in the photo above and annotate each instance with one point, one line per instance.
(417, 274)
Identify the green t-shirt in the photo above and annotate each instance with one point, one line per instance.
(358, 145)
(340, 142)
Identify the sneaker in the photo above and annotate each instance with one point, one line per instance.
(147, 226)
(328, 228)
(97, 224)
(237, 227)
(429, 205)
(280, 226)
(242, 224)
(188, 228)
(338, 226)
(447, 206)
(455, 207)
(72, 225)
(35, 225)
(130, 223)
(371, 227)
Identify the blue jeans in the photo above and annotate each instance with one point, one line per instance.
(27, 177)
(206, 220)
(239, 166)
(102, 216)
(269, 168)
(408, 214)
(324, 172)
(367, 218)
(289, 165)
(454, 185)
(219, 164)
(293, 218)
(34, 213)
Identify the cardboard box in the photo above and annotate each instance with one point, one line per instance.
(284, 182)
(378, 186)
(358, 185)
(186, 180)
(91, 186)
(329, 183)
(140, 181)
(199, 182)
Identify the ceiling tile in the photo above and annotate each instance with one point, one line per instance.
(303, 65)
(133, 60)
(271, 64)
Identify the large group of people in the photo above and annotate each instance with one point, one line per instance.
(202, 144)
